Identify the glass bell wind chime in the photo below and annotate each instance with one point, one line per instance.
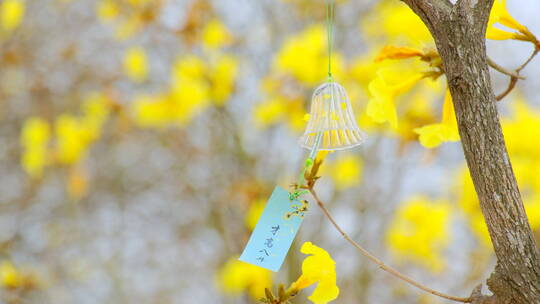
(332, 125)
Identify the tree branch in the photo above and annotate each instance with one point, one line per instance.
(460, 41)
(377, 261)
(514, 78)
(502, 70)
(482, 10)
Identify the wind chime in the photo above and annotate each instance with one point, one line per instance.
(331, 127)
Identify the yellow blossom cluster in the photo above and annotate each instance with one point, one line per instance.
(500, 15)
(71, 139)
(35, 136)
(345, 170)
(11, 14)
(215, 35)
(197, 83)
(419, 232)
(300, 64)
(12, 277)
(393, 80)
(393, 22)
(136, 64)
(435, 134)
(66, 141)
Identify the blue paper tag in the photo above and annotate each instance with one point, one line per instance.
(274, 232)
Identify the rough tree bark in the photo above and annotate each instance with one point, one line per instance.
(459, 31)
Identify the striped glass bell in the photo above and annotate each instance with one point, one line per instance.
(331, 124)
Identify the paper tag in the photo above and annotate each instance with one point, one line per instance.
(274, 232)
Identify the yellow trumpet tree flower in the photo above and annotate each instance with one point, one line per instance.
(345, 171)
(136, 64)
(215, 35)
(35, 136)
(433, 135)
(394, 52)
(12, 277)
(381, 105)
(107, 10)
(499, 14)
(254, 212)
(387, 21)
(11, 14)
(419, 232)
(305, 56)
(237, 277)
(196, 84)
(318, 268)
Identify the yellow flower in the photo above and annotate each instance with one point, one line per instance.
(152, 111)
(269, 112)
(419, 232)
(318, 268)
(304, 56)
(11, 14)
(346, 171)
(520, 128)
(135, 64)
(195, 84)
(190, 97)
(189, 67)
(381, 106)
(107, 10)
(279, 109)
(394, 52)
(364, 69)
(417, 112)
(255, 210)
(10, 277)
(387, 21)
(72, 139)
(35, 137)
(237, 277)
(499, 14)
(224, 73)
(215, 35)
(96, 108)
(434, 134)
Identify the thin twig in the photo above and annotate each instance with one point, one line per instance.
(514, 78)
(533, 54)
(379, 262)
(511, 86)
(502, 70)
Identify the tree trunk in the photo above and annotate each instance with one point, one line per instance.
(459, 31)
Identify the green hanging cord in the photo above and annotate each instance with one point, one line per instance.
(313, 153)
(330, 34)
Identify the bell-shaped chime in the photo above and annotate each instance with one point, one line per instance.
(331, 124)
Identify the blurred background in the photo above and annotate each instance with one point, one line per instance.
(140, 140)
